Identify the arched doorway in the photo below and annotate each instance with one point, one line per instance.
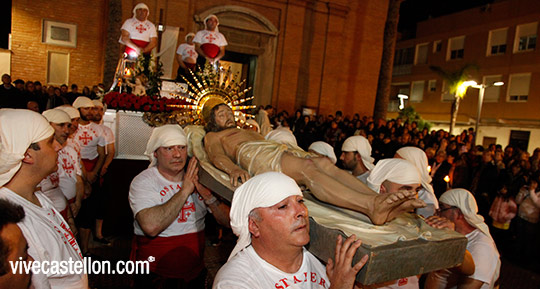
(253, 40)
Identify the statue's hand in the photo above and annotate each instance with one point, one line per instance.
(236, 174)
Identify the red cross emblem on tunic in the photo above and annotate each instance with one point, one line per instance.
(191, 53)
(55, 180)
(210, 38)
(140, 28)
(68, 167)
(85, 138)
(187, 209)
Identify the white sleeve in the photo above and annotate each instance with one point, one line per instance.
(140, 194)
(179, 50)
(126, 24)
(109, 136)
(485, 261)
(153, 32)
(198, 37)
(222, 41)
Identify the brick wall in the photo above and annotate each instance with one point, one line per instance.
(29, 54)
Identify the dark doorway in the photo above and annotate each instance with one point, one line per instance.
(520, 139)
(245, 64)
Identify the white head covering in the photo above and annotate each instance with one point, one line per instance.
(188, 35)
(254, 123)
(361, 145)
(261, 191)
(73, 112)
(164, 136)
(83, 101)
(419, 159)
(56, 116)
(140, 6)
(395, 170)
(324, 149)
(282, 135)
(465, 201)
(97, 103)
(211, 16)
(19, 128)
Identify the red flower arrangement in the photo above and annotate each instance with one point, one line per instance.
(131, 102)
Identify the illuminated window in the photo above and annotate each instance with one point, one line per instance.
(421, 53)
(417, 91)
(525, 37)
(437, 46)
(432, 84)
(497, 42)
(518, 87)
(455, 48)
(492, 93)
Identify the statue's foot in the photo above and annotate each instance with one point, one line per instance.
(388, 206)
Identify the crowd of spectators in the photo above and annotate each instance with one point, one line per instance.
(37, 97)
(504, 180)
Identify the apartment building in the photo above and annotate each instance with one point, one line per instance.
(500, 39)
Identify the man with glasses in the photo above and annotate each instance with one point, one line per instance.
(458, 211)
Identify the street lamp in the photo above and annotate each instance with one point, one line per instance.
(482, 87)
(401, 100)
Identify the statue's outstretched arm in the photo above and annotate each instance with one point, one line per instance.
(218, 157)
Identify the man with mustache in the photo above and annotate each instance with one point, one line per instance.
(242, 153)
(271, 221)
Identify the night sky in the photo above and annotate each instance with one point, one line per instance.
(413, 11)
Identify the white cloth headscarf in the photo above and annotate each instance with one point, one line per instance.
(98, 103)
(19, 128)
(282, 135)
(212, 16)
(164, 136)
(395, 170)
(361, 145)
(83, 101)
(324, 149)
(73, 112)
(261, 191)
(188, 35)
(465, 201)
(140, 6)
(56, 116)
(419, 159)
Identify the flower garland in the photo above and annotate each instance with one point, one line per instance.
(131, 102)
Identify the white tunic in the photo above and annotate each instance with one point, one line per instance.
(150, 189)
(207, 36)
(187, 51)
(247, 270)
(50, 186)
(89, 137)
(486, 261)
(69, 167)
(49, 238)
(139, 30)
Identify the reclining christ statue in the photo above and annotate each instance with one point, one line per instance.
(241, 153)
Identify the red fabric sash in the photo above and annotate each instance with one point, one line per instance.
(211, 50)
(139, 43)
(190, 65)
(175, 257)
(89, 164)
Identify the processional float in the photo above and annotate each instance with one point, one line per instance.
(403, 247)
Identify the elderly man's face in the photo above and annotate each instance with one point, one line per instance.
(349, 160)
(171, 159)
(224, 117)
(12, 237)
(61, 131)
(388, 187)
(284, 224)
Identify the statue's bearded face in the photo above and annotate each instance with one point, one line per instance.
(224, 117)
